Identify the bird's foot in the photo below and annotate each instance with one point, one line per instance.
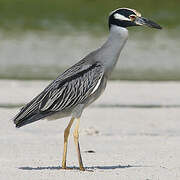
(81, 168)
(64, 165)
(68, 168)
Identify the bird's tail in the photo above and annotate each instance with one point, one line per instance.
(27, 120)
(29, 113)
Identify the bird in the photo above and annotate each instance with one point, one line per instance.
(80, 85)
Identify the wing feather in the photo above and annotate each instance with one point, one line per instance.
(74, 91)
(67, 90)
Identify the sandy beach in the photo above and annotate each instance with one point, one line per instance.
(131, 133)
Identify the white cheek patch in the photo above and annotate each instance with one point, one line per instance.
(121, 17)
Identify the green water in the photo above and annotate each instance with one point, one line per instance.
(39, 39)
(24, 15)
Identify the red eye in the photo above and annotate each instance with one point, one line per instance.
(132, 17)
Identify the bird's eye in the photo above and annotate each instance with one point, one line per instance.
(132, 17)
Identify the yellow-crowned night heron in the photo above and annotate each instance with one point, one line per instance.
(84, 82)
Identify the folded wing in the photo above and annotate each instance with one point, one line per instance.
(69, 89)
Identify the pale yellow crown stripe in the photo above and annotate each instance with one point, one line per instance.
(136, 12)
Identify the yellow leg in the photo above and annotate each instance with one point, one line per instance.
(76, 140)
(66, 134)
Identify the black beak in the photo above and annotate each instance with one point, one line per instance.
(143, 21)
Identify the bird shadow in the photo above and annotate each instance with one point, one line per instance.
(88, 168)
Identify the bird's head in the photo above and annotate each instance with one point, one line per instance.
(125, 17)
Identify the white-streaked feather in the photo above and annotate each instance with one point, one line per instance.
(97, 85)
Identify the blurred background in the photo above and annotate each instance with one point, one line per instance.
(40, 38)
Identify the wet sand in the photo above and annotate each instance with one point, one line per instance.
(131, 132)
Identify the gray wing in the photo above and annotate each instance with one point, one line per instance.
(69, 89)
(72, 90)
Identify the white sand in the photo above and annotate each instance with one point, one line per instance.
(129, 143)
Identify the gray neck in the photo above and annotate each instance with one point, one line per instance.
(109, 53)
